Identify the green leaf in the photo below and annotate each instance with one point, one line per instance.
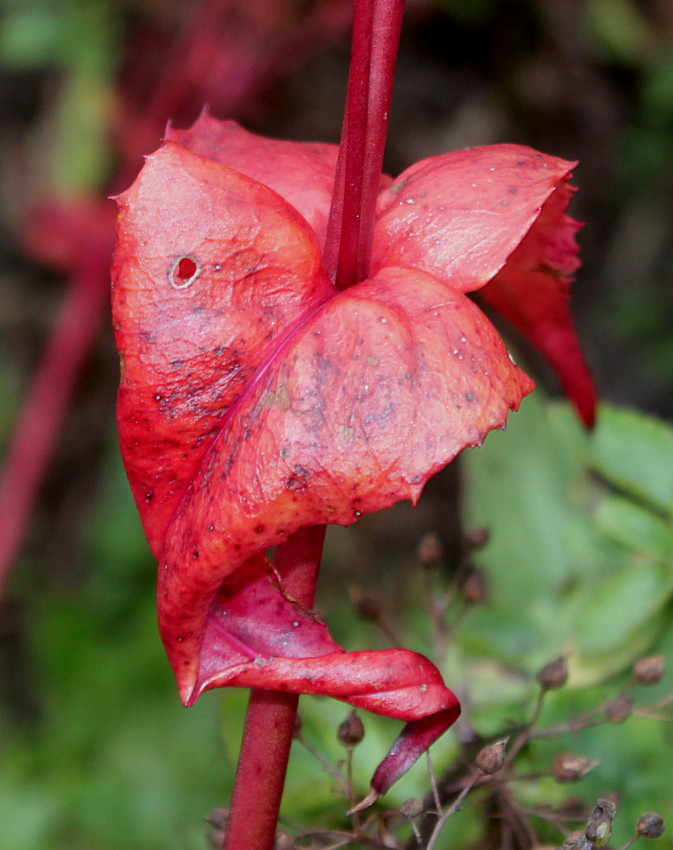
(638, 529)
(573, 566)
(634, 452)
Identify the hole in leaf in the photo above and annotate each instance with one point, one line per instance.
(183, 272)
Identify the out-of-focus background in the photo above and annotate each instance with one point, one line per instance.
(96, 752)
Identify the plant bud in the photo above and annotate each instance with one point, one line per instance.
(474, 588)
(569, 767)
(429, 551)
(649, 670)
(618, 709)
(650, 825)
(490, 759)
(412, 808)
(351, 731)
(554, 674)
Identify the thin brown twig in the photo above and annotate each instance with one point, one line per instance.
(326, 766)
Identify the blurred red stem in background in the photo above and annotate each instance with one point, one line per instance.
(38, 424)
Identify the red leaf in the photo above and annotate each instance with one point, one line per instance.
(461, 217)
(532, 292)
(257, 399)
(301, 172)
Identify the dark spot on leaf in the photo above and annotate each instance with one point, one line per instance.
(260, 528)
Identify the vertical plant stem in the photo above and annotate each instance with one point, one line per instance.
(269, 723)
(376, 34)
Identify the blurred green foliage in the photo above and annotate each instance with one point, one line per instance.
(78, 41)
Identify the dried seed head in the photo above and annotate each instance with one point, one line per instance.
(351, 731)
(217, 821)
(576, 841)
(554, 674)
(429, 551)
(490, 759)
(618, 709)
(477, 539)
(283, 841)
(412, 808)
(650, 825)
(569, 767)
(474, 588)
(598, 832)
(599, 826)
(649, 670)
(367, 607)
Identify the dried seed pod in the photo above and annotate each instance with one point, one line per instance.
(412, 808)
(650, 825)
(429, 551)
(599, 826)
(569, 767)
(649, 670)
(283, 841)
(554, 674)
(477, 539)
(474, 588)
(618, 709)
(217, 821)
(490, 759)
(351, 731)
(576, 841)
(367, 607)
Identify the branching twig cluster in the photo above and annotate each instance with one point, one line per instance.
(486, 777)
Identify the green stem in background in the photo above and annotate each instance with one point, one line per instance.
(269, 723)
(376, 34)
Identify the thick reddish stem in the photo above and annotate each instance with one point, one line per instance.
(376, 34)
(269, 724)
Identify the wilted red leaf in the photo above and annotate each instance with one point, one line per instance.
(257, 399)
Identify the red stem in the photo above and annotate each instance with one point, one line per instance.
(44, 409)
(376, 35)
(269, 724)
